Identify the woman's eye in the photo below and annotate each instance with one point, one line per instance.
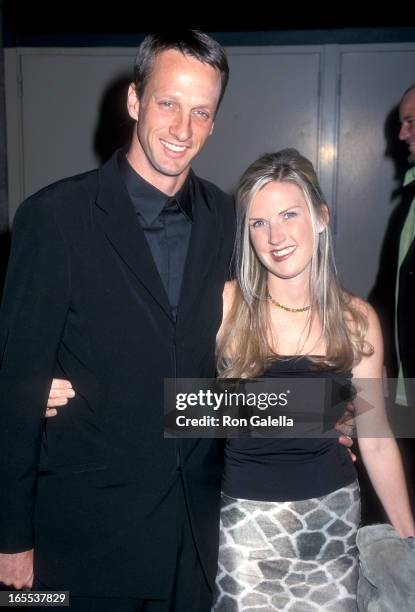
(290, 214)
(257, 223)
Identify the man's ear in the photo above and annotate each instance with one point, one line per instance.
(211, 129)
(133, 103)
(324, 218)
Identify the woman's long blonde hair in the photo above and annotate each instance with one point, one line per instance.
(244, 348)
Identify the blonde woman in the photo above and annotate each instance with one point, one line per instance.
(291, 508)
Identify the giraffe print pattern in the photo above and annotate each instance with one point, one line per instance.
(296, 556)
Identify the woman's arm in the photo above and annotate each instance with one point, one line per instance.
(378, 446)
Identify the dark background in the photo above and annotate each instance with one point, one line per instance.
(88, 22)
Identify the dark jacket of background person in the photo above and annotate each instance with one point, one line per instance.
(406, 317)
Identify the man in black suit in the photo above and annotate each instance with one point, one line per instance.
(405, 307)
(115, 283)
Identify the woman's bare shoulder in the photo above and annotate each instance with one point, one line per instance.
(364, 308)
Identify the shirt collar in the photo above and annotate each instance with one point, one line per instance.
(409, 176)
(147, 199)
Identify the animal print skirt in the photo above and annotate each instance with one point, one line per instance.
(299, 556)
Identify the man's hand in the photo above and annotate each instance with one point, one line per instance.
(16, 570)
(345, 426)
(348, 442)
(60, 392)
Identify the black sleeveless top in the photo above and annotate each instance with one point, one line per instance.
(287, 469)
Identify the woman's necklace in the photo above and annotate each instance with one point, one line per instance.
(278, 305)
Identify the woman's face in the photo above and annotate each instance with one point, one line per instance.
(281, 230)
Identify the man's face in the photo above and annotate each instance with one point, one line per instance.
(174, 117)
(407, 118)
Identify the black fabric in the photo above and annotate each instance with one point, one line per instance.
(166, 223)
(95, 490)
(187, 571)
(406, 339)
(285, 469)
(405, 315)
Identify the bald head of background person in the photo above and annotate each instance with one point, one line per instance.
(407, 119)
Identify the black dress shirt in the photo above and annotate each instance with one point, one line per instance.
(166, 223)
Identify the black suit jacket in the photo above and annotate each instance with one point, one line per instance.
(406, 322)
(97, 489)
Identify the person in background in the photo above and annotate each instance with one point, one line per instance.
(405, 289)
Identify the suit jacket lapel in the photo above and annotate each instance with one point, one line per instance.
(408, 262)
(204, 242)
(122, 229)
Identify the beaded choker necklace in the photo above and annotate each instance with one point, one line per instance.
(278, 305)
